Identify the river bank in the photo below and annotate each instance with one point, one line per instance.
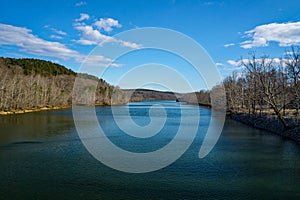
(30, 110)
(269, 123)
(39, 150)
(263, 121)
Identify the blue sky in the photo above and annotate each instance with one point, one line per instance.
(65, 31)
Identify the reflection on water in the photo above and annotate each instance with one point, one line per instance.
(35, 126)
(41, 157)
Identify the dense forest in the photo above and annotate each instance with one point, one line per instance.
(145, 94)
(202, 98)
(33, 83)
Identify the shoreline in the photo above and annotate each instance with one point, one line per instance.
(264, 122)
(268, 123)
(31, 110)
(48, 108)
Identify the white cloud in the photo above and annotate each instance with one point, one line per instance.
(97, 58)
(288, 53)
(212, 3)
(82, 17)
(29, 43)
(100, 61)
(238, 63)
(81, 3)
(234, 63)
(90, 35)
(55, 37)
(23, 38)
(229, 45)
(209, 3)
(107, 24)
(59, 32)
(286, 34)
(219, 64)
(129, 44)
(233, 66)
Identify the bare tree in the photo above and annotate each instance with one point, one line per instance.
(271, 81)
(292, 62)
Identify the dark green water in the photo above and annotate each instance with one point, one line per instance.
(42, 157)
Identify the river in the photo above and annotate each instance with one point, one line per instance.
(42, 157)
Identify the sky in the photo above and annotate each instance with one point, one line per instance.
(67, 31)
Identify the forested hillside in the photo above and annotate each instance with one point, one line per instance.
(203, 98)
(33, 83)
(145, 94)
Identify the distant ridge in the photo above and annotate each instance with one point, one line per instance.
(148, 94)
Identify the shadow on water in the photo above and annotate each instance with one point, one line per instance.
(34, 127)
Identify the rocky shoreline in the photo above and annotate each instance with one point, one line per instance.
(269, 123)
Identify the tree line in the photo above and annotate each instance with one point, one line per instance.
(266, 85)
(36, 66)
(33, 83)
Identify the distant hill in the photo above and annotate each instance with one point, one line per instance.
(146, 94)
(32, 83)
(201, 98)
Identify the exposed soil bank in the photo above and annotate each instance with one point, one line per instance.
(29, 110)
(269, 123)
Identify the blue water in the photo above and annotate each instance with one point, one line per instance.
(42, 157)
